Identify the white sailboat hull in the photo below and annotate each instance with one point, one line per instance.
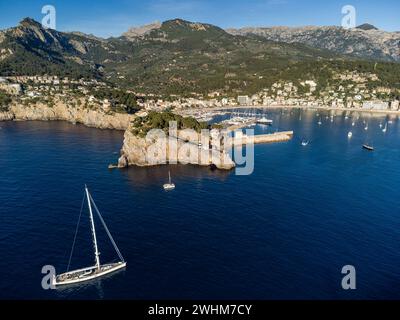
(169, 186)
(86, 274)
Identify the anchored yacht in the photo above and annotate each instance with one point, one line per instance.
(98, 270)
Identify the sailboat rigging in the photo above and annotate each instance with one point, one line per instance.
(98, 270)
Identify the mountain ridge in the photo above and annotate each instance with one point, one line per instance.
(365, 41)
(180, 57)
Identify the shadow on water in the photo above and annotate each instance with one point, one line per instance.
(94, 285)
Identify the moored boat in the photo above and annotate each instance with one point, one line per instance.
(368, 147)
(169, 186)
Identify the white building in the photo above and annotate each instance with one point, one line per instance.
(244, 100)
(376, 105)
(395, 105)
(312, 84)
(11, 88)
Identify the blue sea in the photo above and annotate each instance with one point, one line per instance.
(283, 232)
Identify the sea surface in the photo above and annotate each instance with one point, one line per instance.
(283, 232)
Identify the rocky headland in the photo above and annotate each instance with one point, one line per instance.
(145, 152)
(63, 112)
(136, 150)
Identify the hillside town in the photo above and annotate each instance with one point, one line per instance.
(350, 91)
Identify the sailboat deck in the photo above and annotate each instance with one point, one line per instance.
(86, 274)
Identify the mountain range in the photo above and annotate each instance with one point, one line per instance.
(365, 41)
(183, 57)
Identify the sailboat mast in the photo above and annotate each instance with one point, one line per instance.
(96, 250)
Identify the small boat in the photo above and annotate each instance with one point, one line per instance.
(169, 186)
(350, 134)
(264, 120)
(390, 121)
(380, 125)
(353, 124)
(305, 143)
(319, 122)
(368, 147)
(366, 127)
(98, 270)
(384, 130)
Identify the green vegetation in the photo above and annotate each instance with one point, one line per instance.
(181, 58)
(121, 101)
(5, 100)
(156, 120)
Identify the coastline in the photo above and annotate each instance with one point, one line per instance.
(319, 108)
(61, 112)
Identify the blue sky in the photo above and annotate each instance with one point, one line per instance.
(111, 18)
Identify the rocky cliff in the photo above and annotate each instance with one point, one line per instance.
(366, 41)
(90, 118)
(145, 152)
(135, 151)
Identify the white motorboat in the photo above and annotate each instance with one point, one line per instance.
(305, 143)
(98, 270)
(350, 134)
(265, 121)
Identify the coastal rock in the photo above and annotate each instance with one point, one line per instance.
(6, 116)
(144, 152)
(61, 111)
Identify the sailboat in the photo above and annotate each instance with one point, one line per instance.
(305, 143)
(366, 128)
(169, 185)
(98, 270)
(319, 122)
(384, 130)
(350, 135)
